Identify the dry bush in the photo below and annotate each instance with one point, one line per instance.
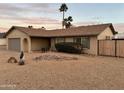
(12, 60)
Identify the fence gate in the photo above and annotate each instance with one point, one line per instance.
(111, 48)
(107, 47)
(120, 48)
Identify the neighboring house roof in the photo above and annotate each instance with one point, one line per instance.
(2, 35)
(90, 30)
(119, 36)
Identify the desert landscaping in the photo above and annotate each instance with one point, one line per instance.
(53, 70)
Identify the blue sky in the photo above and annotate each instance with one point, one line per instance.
(48, 15)
(97, 12)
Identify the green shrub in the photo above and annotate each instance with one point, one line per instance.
(69, 47)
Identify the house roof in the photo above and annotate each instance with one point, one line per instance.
(90, 30)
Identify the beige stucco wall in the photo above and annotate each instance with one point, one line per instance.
(2, 44)
(2, 41)
(22, 36)
(38, 43)
(93, 45)
(106, 32)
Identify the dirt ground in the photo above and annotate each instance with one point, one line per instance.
(87, 72)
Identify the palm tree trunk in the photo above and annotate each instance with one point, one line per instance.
(63, 20)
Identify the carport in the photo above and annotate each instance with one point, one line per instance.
(37, 43)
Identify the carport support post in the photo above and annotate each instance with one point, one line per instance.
(7, 44)
(29, 44)
(21, 48)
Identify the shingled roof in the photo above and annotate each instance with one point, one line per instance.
(90, 30)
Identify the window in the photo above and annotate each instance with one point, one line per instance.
(59, 40)
(85, 41)
(77, 40)
(107, 37)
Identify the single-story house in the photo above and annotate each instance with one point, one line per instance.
(32, 39)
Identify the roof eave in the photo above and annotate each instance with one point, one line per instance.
(65, 36)
(8, 31)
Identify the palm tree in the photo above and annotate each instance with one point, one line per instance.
(67, 22)
(70, 18)
(63, 8)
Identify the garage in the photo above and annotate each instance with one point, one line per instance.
(14, 44)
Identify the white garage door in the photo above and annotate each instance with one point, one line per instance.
(14, 44)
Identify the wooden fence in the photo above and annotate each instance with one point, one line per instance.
(111, 48)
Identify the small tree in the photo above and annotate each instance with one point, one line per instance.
(30, 27)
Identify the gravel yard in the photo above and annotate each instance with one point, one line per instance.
(54, 70)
